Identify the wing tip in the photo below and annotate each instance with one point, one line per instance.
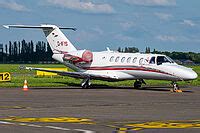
(6, 26)
(74, 29)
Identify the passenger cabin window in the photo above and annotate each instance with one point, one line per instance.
(112, 59)
(117, 59)
(129, 60)
(141, 61)
(152, 61)
(123, 59)
(135, 59)
(162, 59)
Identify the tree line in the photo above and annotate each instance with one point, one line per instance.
(195, 57)
(26, 52)
(40, 52)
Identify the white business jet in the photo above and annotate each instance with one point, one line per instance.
(109, 65)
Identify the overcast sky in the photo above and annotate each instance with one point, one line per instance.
(167, 25)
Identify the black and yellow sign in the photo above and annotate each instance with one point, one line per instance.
(5, 76)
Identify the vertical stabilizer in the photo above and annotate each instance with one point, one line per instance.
(56, 39)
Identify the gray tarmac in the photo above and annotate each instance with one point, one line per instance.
(99, 110)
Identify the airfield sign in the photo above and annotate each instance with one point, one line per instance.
(5, 76)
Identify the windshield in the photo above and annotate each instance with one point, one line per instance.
(171, 60)
(163, 59)
(152, 61)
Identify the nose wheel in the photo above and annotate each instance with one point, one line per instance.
(138, 83)
(86, 83)
(175, 87)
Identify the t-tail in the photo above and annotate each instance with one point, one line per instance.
(56, 39)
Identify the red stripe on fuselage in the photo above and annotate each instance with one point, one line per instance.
(127, 68)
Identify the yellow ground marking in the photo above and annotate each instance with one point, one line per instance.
(136, 129)
(88, 123)
(166, 124)
(51, 119)
(123, 129)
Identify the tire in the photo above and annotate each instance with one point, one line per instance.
(175, 87)
(137, 85)
(86, 86)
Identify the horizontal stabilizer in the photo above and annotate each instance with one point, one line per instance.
(38, 27)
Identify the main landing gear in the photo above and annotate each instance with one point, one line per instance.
(138, 83)
(86, 83)
(175, 87)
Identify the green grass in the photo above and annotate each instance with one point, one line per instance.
(18, 77)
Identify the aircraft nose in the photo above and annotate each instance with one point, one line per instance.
(191, 75)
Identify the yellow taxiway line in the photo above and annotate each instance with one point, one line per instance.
(50, 119)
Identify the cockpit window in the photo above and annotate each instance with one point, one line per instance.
(171, 60)
(162, 59)
(152, 61)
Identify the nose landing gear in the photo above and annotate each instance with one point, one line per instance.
(175, 87)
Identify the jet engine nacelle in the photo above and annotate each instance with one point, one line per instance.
(85, 56)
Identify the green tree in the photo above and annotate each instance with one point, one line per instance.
(119, 49)
(148, 50)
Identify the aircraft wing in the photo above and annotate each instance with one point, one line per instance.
(81, 75)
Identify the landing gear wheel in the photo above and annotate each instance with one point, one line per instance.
(175, 87)
(137, 84)
(85, 83)
(85, 86)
